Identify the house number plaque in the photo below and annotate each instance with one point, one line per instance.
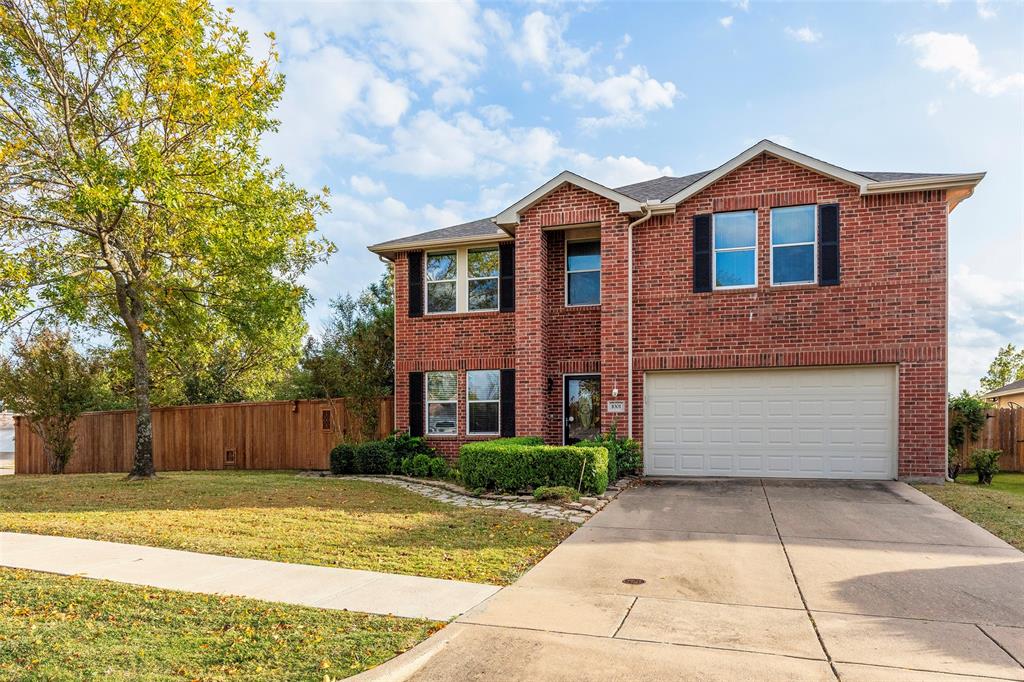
(616, 406)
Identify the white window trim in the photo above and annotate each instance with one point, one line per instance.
(771, 247)
(597, 270)
(427, 402)
(471, 402)
(427, 282)
(716, 251)
(496, 278)
(461, 279)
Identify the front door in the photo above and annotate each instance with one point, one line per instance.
(582, 408)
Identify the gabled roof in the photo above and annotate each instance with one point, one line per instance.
(510, 216)
(668, 191)
(1008, 389)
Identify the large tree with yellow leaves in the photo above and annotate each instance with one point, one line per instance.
(133, 196)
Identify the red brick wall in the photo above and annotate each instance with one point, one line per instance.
(889, 308)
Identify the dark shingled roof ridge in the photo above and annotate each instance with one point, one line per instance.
(1012, 386)
(657, 189)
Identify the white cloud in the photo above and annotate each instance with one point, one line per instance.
(984, 313)
(956, 54)
(804, 34)
(329, 92)
(366, 185)
(742, 5)
(615, 171)
(985, 10)
(620, 50)
(542, 43)
(436, 42)
(431, 146)
(726, 22)
(448, 96)
(625, 97)
(495, 114)
(934, 107)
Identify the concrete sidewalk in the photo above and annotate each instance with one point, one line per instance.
(330, 588)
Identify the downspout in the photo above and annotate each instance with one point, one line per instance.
(629, 315)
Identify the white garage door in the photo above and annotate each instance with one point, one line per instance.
(798, 423)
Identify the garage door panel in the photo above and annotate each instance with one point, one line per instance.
(822, 422)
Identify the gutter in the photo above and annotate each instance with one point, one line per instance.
(647, 214)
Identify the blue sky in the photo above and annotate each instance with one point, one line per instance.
(428, 114)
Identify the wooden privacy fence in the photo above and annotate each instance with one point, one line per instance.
(1003, 430)
(287, 434)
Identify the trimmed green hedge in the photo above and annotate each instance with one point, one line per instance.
(513, 466)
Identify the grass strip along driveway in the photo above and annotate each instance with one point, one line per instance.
(62, 628)
(279, 516)
(999, 508)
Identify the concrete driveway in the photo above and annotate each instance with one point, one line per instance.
(750, 579)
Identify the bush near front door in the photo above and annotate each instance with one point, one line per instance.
(508, 466)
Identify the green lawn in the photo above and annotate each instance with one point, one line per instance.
(998, 507)
(64, 628)
(284, 517)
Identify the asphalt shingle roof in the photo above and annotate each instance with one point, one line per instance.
(1013, 386)
(657, 189)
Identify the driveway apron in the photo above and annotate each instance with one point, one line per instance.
(730, 579)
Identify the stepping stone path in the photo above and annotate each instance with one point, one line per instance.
(449, 493)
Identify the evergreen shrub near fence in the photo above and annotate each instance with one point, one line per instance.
(399, 453)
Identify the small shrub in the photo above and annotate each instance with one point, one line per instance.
(406, 466)
(342, 458)
(986, 464)
(630, 458)
(952, 464)
(967, 416)
(624, 456)
(562, 493)
(439, 468)
(498, 465)
(421, 466)
(373, 457)
(404, 445)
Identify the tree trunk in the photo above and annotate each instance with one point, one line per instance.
(129, 303)
(142, 466)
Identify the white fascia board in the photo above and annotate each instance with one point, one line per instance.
(770, 147)
(510, 216)
(921, 184)
(388, 251)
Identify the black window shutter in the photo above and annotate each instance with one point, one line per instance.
(415, 284)
(828, 245)
(702, 253)
(507, 276)
(416, 394)
(508, 403)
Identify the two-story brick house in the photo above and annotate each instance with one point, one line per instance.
(776, 316)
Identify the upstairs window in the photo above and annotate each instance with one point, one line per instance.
(483, 400)
(734, 236)
(583, 272)
(442, 272)
(484, 268)
(794, 247)
(442, 404)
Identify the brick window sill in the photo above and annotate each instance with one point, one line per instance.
(485, 314)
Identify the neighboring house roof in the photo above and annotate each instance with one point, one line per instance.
(668, 191)
(1008, 389)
